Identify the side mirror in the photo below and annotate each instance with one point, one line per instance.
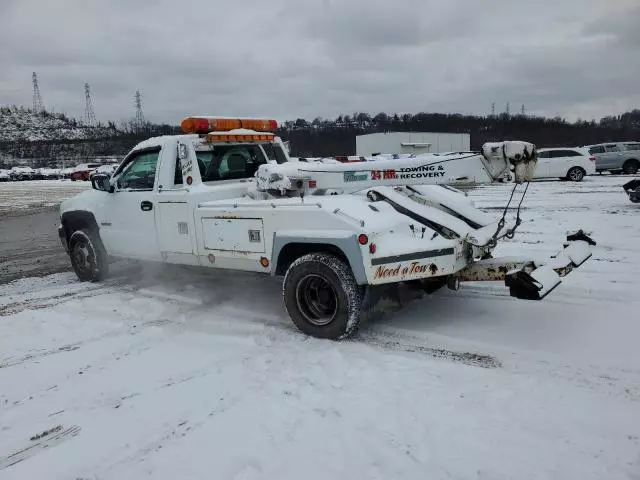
(102, 182)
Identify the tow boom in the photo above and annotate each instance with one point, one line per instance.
(316, 178)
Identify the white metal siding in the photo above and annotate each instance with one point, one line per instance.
(173, 225)
(233, 234)
(392, 142)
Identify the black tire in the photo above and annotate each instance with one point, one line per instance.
(322, 297)
(88, 256)
(630, 167)
(575, 174)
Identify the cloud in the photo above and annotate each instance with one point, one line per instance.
(295, 58)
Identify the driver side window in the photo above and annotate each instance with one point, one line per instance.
(140, 174)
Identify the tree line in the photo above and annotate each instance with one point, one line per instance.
(331, 137)
(323, 137)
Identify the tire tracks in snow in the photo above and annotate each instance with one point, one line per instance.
(45, 440)
(394, 343)
(607, 380)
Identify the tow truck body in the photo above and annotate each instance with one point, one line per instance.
(227, 195)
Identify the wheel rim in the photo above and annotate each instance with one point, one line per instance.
(83, 257)
(317, 300)
(631, 169)
(575, 175)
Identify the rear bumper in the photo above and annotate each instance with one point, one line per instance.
(62, 234)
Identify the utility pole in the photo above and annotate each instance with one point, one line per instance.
(89, 115)
(38, 106)
(507, 110)
(522, 110)
(139, 114)
(493, 109)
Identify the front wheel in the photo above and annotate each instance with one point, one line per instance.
(88, 257)
(575, 174)
(630, 167)
(322, 297)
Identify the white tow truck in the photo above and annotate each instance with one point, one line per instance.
(226, 195)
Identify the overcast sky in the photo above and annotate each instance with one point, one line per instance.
(307, 58)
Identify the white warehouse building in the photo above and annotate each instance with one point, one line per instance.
(412, 142)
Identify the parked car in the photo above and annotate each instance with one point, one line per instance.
(617, 157)
(48, 173)
(565, 163)
(5, 175)
(66, 172)
(22, 173)
(83, 171)
(108, 169)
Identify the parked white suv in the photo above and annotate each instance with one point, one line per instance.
(565, 163)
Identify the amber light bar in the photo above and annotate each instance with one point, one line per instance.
(216, 138)
(203, 125)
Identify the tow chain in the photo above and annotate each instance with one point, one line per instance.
(493, 241)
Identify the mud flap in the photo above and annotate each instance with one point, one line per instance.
(380, 300)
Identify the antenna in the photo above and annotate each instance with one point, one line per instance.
(493, 109)
(139, 114)
(89, 116)
(38, 106)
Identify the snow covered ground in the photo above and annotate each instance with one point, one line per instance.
(27, 196)
(167, 373)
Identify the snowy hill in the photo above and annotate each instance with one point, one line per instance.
(19, 124)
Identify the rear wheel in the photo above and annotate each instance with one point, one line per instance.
(630, 167)
(575, 174)
(88, 257)
(322, 297)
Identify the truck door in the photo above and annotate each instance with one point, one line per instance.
(174, 217)
(127, 226)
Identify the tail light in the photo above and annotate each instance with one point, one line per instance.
(592, 158)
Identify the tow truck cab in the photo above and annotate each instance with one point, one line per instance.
(145, 210)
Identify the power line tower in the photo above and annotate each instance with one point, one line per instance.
(493, 109)
(139, 114)
(89, 115)
(507, 110)
(522, 110)
(38, 106)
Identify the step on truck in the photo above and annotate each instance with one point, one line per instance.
(226, 194)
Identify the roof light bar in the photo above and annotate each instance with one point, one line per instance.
(218, 138)
(203, 125)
